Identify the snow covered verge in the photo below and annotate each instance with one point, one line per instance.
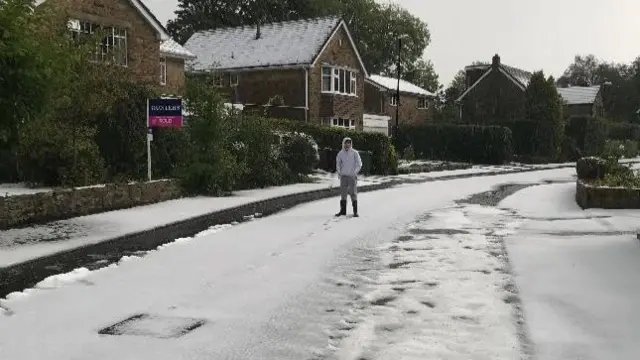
(444, 292)
(576, 271)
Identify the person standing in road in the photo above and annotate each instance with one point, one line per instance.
(348, 165)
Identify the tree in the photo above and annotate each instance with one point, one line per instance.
(375, 27)
(621, 92)
(544, 107)
(420, 73)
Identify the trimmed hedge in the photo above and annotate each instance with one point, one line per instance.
(463, 143)
(384, 158)
(623, 131)
(591, 168)
(589, 134)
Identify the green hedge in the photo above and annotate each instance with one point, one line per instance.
(589, 134)
(384, 158)
(623, 131)
(465, 143)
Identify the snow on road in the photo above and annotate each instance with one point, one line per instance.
(577, 272)
(415, 277)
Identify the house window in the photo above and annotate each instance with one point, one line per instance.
(338, 81)
(163, 70)
(344, 123)
(393, 100)
(423, 103)
(218, 80)
(233, 80)
(112, 48)
(326, 79)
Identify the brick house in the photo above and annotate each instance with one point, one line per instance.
(134, 38)
(312, 65)
(380, 99)
(496, 92)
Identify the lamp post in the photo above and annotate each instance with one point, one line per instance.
(397, 127)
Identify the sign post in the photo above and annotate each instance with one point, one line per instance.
(161, 113)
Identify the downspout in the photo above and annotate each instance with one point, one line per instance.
(306, 94)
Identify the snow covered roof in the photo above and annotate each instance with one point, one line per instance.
(392, 84)
(171, 48)
(576, 95)
(289, 43)
(168, 47)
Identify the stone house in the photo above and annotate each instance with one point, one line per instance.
(496, 92)
(133, 38)
(312, 66)
(416, 104)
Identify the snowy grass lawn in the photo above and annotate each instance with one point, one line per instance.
(19, 245)
(252, 284)
(577, 271)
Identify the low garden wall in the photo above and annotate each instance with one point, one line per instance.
(591, 196)
(21, 210)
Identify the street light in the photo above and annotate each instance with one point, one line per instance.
(397, 127)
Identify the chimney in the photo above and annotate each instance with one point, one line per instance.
(258, 34)
(495, 62)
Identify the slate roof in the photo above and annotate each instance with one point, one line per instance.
(574, 95)
(168, 47)
(577, 95)
(289, 43)
(392, 84)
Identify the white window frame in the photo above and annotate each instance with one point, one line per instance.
(163, 70)
(423, 103)
(112, 46)
(349, 124)
(339, 76)
(234, 79)
(393, 100)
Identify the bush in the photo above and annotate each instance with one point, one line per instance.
(46, 155)
(257, 148)
(623, 131)
(408, 153)
(384, 159)
(464, 143)
(299, 152)
(591, 168)
(589, 134)
(627, 148)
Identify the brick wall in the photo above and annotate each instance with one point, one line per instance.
(57, 205)
(338, 52)
(591, 196)
(143, 43)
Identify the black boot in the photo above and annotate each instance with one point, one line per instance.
(343, 208)
(355, 208)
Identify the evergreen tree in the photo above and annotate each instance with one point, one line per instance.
(544, 107)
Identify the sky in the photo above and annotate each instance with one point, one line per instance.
(531, 35)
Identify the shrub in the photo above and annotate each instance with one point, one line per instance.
(46, 155)
(384, 160)
(211, 168)
(623, 131)
(465, 143)
(588, 134)
(591, 168)
(626, 148)
(258, 149)
(624, 177)
(299, 151)
(408, 153)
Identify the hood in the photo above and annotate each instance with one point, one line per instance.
(347, 139)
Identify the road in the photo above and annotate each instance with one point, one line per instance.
(417, 276)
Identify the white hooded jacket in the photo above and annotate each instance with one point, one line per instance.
(348, 162)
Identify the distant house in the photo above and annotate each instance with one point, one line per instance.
(135, 39)
(312, 66)
(496, 92)
(381, 103)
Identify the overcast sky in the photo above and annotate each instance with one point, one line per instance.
(532, 35)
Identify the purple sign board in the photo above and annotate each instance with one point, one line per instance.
(165, 113)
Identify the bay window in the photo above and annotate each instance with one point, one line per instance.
(338, 81)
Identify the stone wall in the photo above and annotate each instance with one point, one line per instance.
(42, 207)
(590, 196)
